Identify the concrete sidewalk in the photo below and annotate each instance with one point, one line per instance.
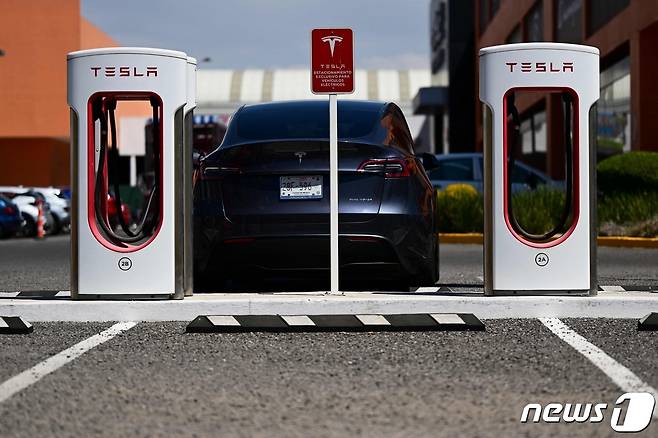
(607, 304)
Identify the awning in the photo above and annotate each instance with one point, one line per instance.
(430, 99)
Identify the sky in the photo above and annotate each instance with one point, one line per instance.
(268, 34)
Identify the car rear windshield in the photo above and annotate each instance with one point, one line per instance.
(304, 121)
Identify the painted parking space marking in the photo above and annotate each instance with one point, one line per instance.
(447, 318)
(373, 320)
(37, 294)
(612, 288)
(223, 320)
(53, 363)
(297, 320)
(619, 374)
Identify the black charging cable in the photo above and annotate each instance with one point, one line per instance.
(562, 224)
(102, 112)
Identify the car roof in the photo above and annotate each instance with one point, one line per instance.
(315, 103)
(232, 138)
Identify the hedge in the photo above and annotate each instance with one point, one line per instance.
(460, 209)
(632, 172)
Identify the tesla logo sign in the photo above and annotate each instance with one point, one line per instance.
(124, 71)
(332, 40)
(540, 67)
(332, 61)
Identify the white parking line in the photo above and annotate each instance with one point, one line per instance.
(42, 369)
(619, 374)
(426, 289)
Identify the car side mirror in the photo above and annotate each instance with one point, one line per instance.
(429, 161)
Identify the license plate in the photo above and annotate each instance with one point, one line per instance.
(300, 187)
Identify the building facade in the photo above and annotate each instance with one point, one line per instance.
(450, 100)
(625, 32)
(220, 92)
(35, 37)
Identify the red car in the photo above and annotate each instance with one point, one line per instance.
(112, 211)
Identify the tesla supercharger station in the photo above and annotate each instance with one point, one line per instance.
(113, 256)
(561, 260)
(188, 170)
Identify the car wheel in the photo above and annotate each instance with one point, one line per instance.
(3, 233)
(30, 226)
(57, 225)
(431, 276)
(205, 281)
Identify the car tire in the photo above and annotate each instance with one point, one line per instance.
(57, 225)
(431, 276)
(30, 227)
(205, 282)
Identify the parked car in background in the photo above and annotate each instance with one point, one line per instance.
(11, 221)
(65, 192)
(262, 201)
(112, 212)
(27, 202)
(468, 168)
(60, 208)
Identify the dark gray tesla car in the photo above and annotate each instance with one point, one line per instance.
(261, 203)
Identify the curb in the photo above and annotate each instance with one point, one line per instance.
(628, 242)
(613, 241)
(469, 238)
(604, 305)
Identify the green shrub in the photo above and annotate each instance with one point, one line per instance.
(538, 211)
(632, 172)
(460, 209)
(623, 208)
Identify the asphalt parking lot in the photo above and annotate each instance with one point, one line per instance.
(154, 379)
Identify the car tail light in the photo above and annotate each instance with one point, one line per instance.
(390, 167)
(9, 210)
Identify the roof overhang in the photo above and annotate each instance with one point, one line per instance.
(430, 99)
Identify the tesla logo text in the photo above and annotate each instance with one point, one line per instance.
(124, 71)
(332, 40)
(541, 67)
(638, 412)
(300, 155)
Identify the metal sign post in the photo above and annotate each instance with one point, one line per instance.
(332, 73)
(333, 189)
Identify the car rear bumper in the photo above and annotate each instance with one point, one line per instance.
(11, 225)
(388, 245)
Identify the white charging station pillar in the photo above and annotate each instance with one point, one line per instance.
(563, 260)
(188, 170)
(113, 255)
